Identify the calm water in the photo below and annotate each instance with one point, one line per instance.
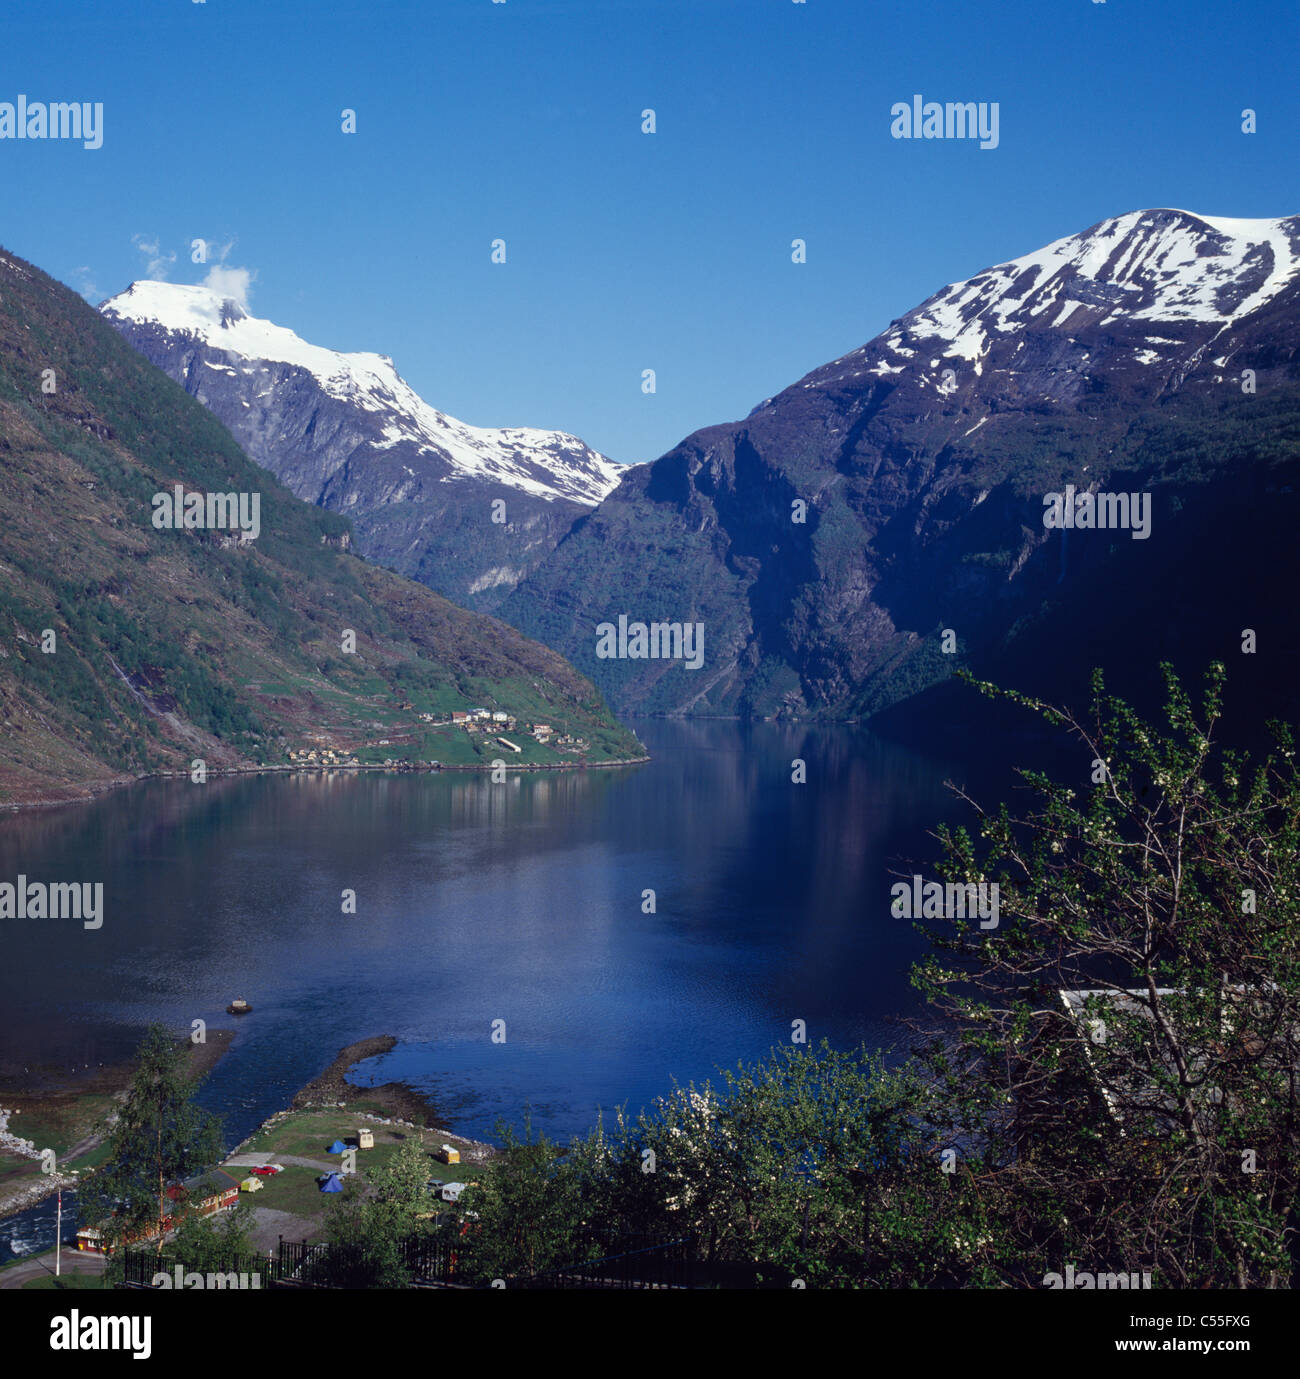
(478, 902)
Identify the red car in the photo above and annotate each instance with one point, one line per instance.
(267, 1170)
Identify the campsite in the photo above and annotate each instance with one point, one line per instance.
(313, 1145)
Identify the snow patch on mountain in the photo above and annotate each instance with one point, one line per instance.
(548, 464)
(1166, 266)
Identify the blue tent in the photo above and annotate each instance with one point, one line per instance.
(338, 1147)
(331, 1183)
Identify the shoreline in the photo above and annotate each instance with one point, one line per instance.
(403, 1103)
(50, 1093)
(95, 790)
(399, 1103)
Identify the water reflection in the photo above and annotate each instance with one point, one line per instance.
(477, 901)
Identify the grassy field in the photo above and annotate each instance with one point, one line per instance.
(307, 1135)
(294, 1190)
(59, 1125)
(16, 1172)
(80, 1282)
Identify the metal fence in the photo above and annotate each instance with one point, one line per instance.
(141, 1268)
(430, 1257)
(434, 1257)
(637, 1262)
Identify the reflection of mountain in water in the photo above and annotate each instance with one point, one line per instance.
(476, 902)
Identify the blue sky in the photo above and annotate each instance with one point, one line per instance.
(625, 251)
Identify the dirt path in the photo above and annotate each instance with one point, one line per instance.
(86, 1144)
(251, 1160)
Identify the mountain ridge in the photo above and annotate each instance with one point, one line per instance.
(923, 458)
(466, 510)
(371, 381)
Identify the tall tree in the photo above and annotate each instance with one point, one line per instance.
(161, 1137)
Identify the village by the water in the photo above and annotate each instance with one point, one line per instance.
(480, 726)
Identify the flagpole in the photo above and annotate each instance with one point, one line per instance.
(58, 1237)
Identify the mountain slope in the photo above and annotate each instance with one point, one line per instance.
(345, 431)
(1112, 360)
(170, 645)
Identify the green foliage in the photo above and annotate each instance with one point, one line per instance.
(1169, 887)
(812, 1165)
(208, 1243)
(366, 1226)
(528, 1213)
(161, 1137)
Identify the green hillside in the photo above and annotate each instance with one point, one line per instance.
(171, 645)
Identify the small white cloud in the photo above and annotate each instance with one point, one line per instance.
(157, 264)
(86, 283)
(230, 282)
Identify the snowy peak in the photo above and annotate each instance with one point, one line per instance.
(1164, 266)
(547, 464)
(1141, 302)
(225, 325)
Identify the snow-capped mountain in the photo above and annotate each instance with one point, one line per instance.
(548, 464)
(1158, 351)
(1151, 292)
(346, 431)
(1159, 266)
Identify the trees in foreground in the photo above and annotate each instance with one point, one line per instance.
(1108, 1078)
(369, 1224)
(1124, 1048)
